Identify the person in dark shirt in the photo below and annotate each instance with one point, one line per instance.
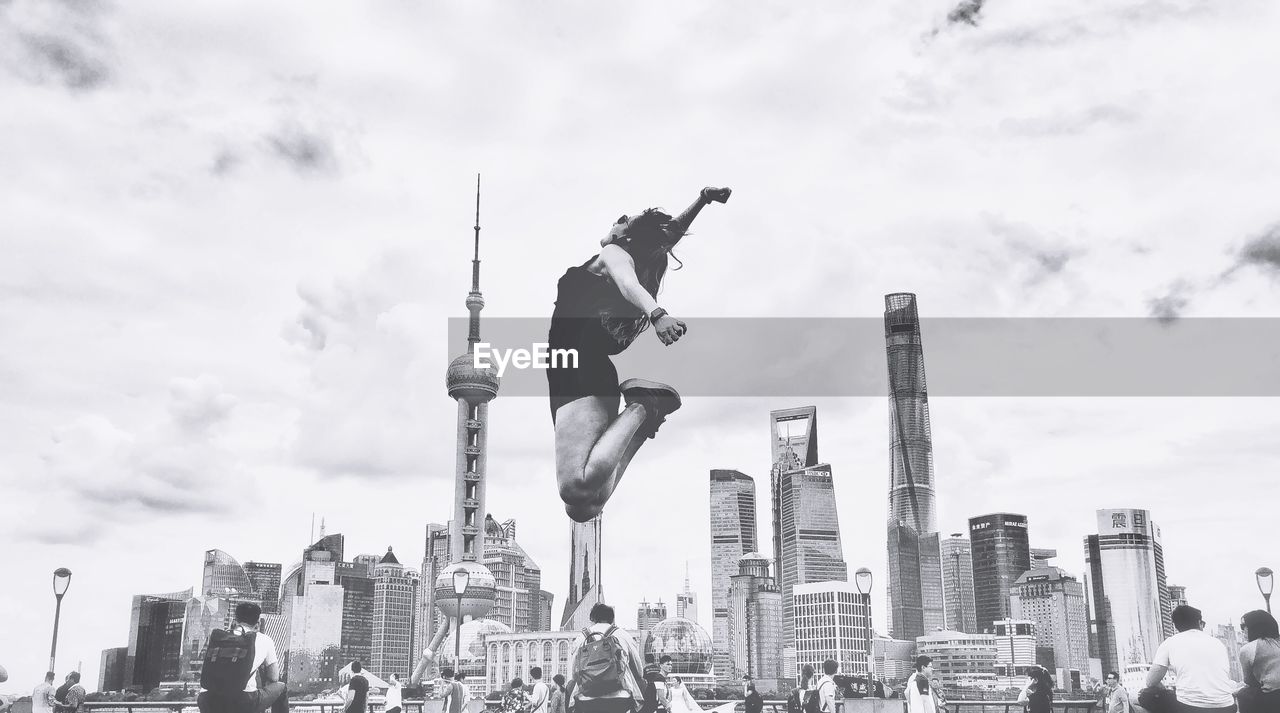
(357, 696)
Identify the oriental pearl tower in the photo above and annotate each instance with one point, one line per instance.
(473, 388)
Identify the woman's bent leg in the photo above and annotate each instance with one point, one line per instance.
(594, 444)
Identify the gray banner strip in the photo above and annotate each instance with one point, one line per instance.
(817, 357)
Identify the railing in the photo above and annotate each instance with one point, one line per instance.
(431, 705)
(475, 705)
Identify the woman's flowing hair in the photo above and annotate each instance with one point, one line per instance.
(1260, 624)
(645, 241)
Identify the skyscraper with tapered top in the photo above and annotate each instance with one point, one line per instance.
(915, 590)
(806, 529)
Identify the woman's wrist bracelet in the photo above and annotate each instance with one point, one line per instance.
(657, 314)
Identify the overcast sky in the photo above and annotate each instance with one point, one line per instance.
(233, 233)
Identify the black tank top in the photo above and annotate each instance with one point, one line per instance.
(583, 300)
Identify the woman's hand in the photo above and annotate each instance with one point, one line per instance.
(669, 329)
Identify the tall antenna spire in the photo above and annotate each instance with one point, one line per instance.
(475, 302)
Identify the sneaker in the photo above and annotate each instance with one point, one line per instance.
(659, 400)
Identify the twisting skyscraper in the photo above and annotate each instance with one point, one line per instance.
(915, 562)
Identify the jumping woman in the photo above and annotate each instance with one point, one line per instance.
(602, 305)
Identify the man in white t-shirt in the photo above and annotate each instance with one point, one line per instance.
(42, 700)
(1199, 663)
(541, 695)
(265, 660)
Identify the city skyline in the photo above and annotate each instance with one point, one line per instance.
(233, 248)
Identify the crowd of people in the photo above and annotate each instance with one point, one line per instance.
(609, 675)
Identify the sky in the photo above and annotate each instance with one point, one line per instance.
(233, 235)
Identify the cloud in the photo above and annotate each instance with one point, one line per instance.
(1047, 255)
(1262, 251)
(57, 43)
(1172, 304)
(966, 12)
(105, 475)
(306, 150)
(376, 355)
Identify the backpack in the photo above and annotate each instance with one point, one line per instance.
(598, 666)
(794, 704)
(228, 662)
(813, 699)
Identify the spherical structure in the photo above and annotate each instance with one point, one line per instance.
(465, 381)
(754, 564)
(688, 645)
(473, 633)
(477, 600)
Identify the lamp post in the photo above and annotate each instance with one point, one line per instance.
(862, 581)
(61, 580)
(1266, 583)
(461, 578)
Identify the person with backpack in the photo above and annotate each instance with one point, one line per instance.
(355, 699)
(1037, 695)
(919, 691)
(555, 704)
(795, 699)
(516, 700)
(607, 667)
(822, 697)
(753, 702)
(540, 696)
(228, 679)
(655, 686)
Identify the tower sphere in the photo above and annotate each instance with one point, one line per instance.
(465, 381)
(482, 590)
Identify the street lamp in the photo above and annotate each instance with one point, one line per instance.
(1266, 583)
(461, 578)
(61, 580)
(862, 581)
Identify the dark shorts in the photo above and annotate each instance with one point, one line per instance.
(594, 375)
(1188, 708)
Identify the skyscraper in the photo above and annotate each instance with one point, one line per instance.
(833, 621)
(915, 591)
(265, 577)
(1130, 602)
(517, 577)
(111, 669)
(957, 578)
(1054, 600)
(687, 600)
(1177, 596)
(806, 528)
(755, 627)
(395, 593)
(585, 588)
(545, 621)
(1001, 554)
(224, 576)
(356, 580)
(733, 534)
(434, 561)
(155, 639)
(311, 607)
(650, 615)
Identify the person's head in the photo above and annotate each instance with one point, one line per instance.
(601, 613)
(558, 679)
(516, 683)
(248, 613)
(648, 238)
(459, 676)
(830, 667)
(924, 664)
(1113, 679)
(806, 672)
(1186, 617)
(535, 673)
(1259, 624)
(355, 667)
(678, 681)
(394, 679)
(664, 662)
(936, 683)
(48, 677)
(446, 673)
(74, 677)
